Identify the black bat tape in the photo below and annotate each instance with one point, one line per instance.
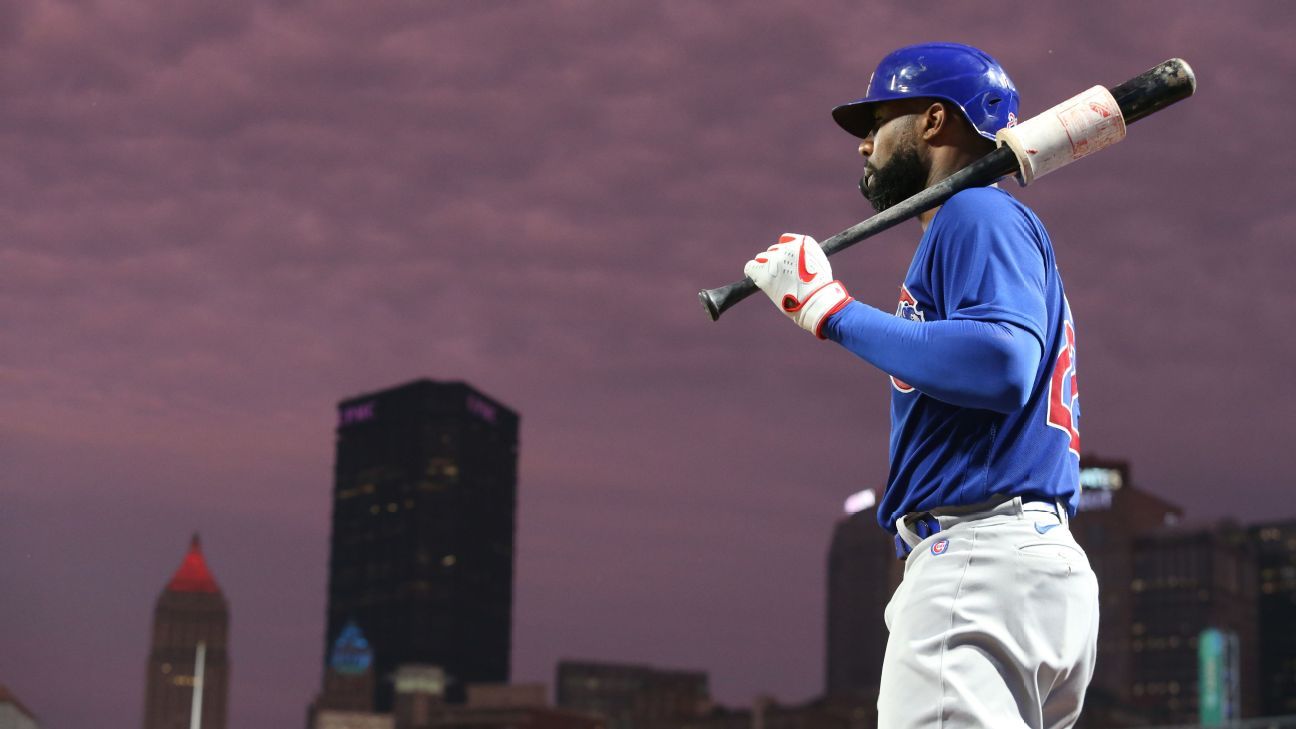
(1139, 97)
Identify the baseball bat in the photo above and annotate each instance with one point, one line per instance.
(1139, 97)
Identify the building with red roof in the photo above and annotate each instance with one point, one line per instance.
(190, 622)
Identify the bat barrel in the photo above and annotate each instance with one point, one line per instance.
(1155, 89)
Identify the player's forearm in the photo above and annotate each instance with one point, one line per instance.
(969, 363)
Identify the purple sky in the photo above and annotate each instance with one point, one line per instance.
(221, 218)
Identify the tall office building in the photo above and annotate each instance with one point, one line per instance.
(190, 611)
(1186, 582)
(1275, 547)
(863, 573)
(1113, 513)
(421, 556)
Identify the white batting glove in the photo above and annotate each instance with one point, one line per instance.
(796, 276)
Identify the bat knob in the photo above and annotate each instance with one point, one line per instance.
(718, 300)
(712, 309)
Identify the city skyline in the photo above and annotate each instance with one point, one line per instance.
(219, 220)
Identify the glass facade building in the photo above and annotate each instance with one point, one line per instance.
(1114, 512)
(1275, 547)
(422, 548)
(1186, 582)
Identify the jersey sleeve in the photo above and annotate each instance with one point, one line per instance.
(989, 264)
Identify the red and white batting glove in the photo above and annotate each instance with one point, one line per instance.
(796, 276)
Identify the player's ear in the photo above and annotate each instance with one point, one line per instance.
(935, 121)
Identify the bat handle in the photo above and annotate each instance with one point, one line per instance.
(718, 300)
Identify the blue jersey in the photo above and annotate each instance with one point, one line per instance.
(986, 257)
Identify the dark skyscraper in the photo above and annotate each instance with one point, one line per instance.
(191, 610)
(863, 572)
(421, 557)
(1186, 581)
(1114, 512)
(1275, 546)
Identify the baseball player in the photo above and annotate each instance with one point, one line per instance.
(995, 623)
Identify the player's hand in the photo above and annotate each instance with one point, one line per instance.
(796, 276)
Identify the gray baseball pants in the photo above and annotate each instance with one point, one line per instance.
(995, 625)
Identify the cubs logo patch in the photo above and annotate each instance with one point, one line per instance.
(908, 306)
(940, 546)
(907, 309)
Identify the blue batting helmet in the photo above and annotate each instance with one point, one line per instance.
(959, 74)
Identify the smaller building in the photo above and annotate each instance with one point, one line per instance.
(348, 695)
(632, 696)
(13, 715)
(840, 712)
(334, 719)
(420, 695)
(509, 706)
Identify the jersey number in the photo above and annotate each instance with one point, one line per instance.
(1064, 394)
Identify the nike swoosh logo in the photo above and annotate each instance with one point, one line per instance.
(806, 276)
(1044, 528)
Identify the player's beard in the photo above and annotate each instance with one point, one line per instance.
(900, 179)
